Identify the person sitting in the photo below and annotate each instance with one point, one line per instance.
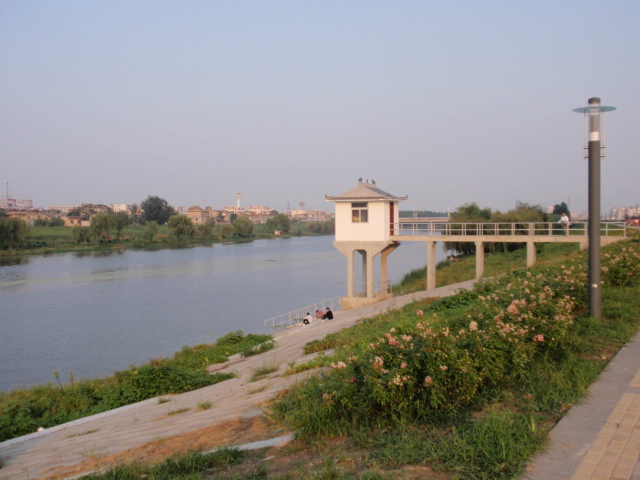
(308, 319)
(328, 315)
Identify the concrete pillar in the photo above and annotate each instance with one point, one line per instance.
(384, 265)
(431, 265)
(531, 254)
(363, 253)
(370, 276)
(479, 260)
(351, 277)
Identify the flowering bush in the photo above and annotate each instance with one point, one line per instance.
(430, 363)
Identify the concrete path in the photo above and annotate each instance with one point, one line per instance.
(142, 430)
(599, 439)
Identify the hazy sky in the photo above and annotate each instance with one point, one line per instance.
(447, 102)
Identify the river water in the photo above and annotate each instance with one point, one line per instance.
(93, 314)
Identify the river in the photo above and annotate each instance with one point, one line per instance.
(95, 313)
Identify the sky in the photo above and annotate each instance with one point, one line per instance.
(288, 101)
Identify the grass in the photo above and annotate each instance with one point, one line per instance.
(24, 410)
(176, 412)
(264, 370)
(205, 405)
(490, 438)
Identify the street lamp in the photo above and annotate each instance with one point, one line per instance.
(594, 138)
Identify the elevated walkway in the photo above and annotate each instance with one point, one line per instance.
(508, 232)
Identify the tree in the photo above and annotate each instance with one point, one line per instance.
(13, 233)
(181, 227)
(80, 234)
(243, 227)
(279, 222)
(150, 231)
(205, 231)
(559, 209)
(226, 231)
(122, 219)
(467, 213)
(101, 226)
(157, 209)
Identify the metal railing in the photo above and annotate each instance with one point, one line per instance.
(379, 289)
(607, 229)
(295, 317)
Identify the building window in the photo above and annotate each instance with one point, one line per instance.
(360, 212)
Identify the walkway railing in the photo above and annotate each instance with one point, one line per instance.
(379, 289)
(607, 229)
(295, 317)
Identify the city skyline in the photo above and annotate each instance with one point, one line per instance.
(287, 102)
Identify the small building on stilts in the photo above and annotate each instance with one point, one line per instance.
(366, 218)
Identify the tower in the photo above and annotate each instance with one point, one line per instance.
(238, 196)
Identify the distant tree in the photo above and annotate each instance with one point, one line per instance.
(227, 230)
(3, 213)
(205, 231)
(279, 222)
(467, 213)
(559, 209)
(57, 222)
(74, 213)
(243, 227)
(150, 231)
(101, 226)
(220, 217)
(322, 228)
(122, 219)
(181, 228)
(157, 209)
(232, 217)
(80, 234)
(13, 233)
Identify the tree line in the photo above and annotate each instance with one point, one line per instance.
(523, 213)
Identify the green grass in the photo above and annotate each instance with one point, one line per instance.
(264, 370)
(176, 412)
(192, 466)
(24, 410)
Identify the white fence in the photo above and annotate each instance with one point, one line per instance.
(607, 229)
(295, 316)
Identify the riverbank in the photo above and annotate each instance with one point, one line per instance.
(50, 240)
(151, 430)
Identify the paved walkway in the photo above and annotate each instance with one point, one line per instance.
(598, 439)
(137, 432)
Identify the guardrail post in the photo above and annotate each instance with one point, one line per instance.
(479, 260)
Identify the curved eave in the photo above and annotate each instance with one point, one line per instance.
(366, 199)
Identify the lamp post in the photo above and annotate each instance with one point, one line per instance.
(594, 137)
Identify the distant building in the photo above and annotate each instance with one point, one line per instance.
(64, 209)
(15, 204)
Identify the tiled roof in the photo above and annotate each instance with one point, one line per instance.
(365, 191)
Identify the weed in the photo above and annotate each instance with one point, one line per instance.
(175, 412)
(205, 405)
(263, 370)
(162, 400)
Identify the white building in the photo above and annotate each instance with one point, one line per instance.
(366, 217)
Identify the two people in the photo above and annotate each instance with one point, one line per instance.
(327, 314)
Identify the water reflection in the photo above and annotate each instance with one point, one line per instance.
(7, 261)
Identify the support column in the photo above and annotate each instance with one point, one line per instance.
(351, 277)
(370, 276)
(363, 253)
(384, 266)
(531, 254)
(431, 265)
(479, 260)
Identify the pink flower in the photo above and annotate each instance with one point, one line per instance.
(353, 379)
(403, 365)
(420, 313)
(538, 338)
(428, 381)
